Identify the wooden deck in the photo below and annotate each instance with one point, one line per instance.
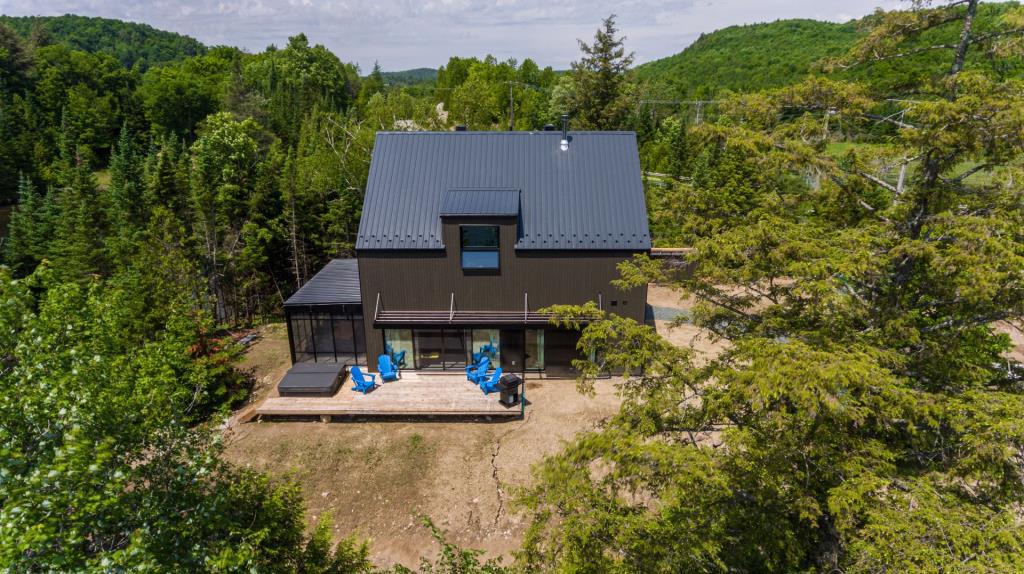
(415, 394)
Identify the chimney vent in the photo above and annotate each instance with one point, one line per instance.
(460, 128)
(564, 144)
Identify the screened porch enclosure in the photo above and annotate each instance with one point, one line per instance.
(326, 334)
(325, 317)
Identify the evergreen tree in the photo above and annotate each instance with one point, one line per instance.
(29, 231)
(126, 211)
(866, 395)
(80, 226)
(601, 95)
(374, 84)
(166, 177)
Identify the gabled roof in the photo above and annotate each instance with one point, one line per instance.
(588, 197)
(336, 284)
(480, 202)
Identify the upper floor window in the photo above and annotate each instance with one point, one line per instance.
(479, 246)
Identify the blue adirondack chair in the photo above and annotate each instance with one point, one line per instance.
(478, 371)
(362, 382)
(486, 350)
(488, 386)
(397, 358)
(388, 370)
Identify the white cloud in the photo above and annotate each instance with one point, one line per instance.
(404, 33)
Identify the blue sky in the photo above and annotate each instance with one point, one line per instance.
(404, 34)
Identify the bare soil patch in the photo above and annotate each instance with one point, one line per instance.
(376, 478)
(1016, 333)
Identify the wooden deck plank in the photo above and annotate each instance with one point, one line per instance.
(415, 394)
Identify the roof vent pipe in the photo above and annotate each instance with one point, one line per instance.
(565, 132)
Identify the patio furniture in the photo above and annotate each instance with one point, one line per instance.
(478, 371)
(387, 368)
(488, 350)
(509, 388)
(362, 382)
(397, 358)
(490, 385)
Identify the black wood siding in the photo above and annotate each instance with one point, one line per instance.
(426, 280)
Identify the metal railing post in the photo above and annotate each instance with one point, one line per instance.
(522, 398)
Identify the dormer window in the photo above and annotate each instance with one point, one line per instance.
(479, 247)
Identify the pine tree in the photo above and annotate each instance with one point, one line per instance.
(601, 96)
(866, 414)
(163, 183)
(124, 206)
(29, 230)
(80, 227)
(374, 84)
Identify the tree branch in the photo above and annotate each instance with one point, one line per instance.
(960, 178)
(877, 181)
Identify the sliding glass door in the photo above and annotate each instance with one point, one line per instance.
(442, 349)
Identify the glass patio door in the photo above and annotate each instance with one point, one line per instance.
(534, 358)
(429, 348)
(443, 349)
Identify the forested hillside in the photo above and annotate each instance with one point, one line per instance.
(751, 57)
(760, 56)
(857, 235)
(411, 77)
(131, 43)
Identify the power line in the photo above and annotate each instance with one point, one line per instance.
(512, 100)
(698, 103)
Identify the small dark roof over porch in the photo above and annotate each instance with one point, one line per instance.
(480, 202)
(336, 284)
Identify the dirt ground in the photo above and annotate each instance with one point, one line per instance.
(684, 335)
(376, 478)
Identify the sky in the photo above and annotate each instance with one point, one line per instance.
(404, 34)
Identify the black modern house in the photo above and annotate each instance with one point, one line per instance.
(465, 236)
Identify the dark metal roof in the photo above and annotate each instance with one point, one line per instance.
(477, 202)
(588, 197)
(336, 284)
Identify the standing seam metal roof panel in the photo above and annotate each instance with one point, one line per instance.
(473, 202)
(336, 284)
(589, 197)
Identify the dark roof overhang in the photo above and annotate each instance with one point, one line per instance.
(336, 284)
(480, 203)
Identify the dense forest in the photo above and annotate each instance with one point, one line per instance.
(852, 194)
(132, 44)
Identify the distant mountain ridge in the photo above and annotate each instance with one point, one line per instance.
(130, 42)
(411, 77)
(753, 57)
